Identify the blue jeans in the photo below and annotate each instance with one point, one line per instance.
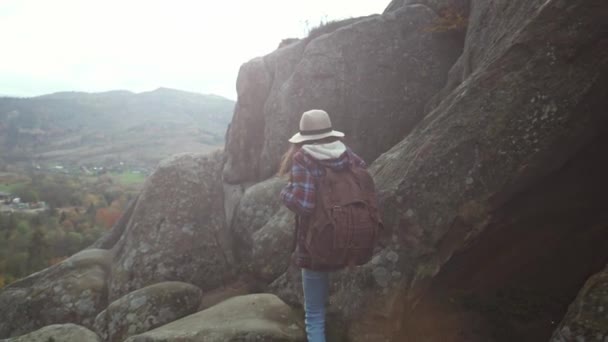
(316, 288)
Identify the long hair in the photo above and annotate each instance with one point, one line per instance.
(287, 160)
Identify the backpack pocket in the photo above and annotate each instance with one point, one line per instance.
(349, 235)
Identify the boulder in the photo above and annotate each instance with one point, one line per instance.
(587, 317)
(364, 74)
(73, 291)
(177, 231)
(256, 207)
(58, 332)
(257, 317)
(263, 231)
(147, 308)
(273, 245)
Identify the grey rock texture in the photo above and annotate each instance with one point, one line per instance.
(272, 246)
(258, 317)
(482, 44)
(261, 224)
(288, 286)
(364, 74)
(177, 231)
(232, 196)
(587, 317)
(258, 204)
(73, 291)
(147, 308)
(58, 332)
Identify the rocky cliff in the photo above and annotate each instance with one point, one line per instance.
(484, 123)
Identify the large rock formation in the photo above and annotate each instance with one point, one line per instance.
(177, 229)
(73, 291)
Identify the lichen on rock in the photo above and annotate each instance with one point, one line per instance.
(257, 317)
(146, 309)
(73, 291)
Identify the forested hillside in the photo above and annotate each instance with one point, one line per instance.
(117, 125)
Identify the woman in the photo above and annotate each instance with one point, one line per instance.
(315, 147)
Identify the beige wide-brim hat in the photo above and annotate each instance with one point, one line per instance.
(314, 125)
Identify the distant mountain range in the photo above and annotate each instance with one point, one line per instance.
(90, 128)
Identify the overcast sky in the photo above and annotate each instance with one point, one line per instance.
(58, 45)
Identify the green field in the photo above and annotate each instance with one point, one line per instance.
(10, 187)
(128, 178)
(124, 178)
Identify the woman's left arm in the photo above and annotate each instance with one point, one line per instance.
(299, 194)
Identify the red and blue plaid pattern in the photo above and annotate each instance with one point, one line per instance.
(299, 194)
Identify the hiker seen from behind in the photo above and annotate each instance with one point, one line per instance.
(336, 211)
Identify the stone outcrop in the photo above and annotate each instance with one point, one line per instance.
(373, 76)
(177, 231)
(73, 291)
(255, 208)
(267, 261)
(147, 308)
(261, 224)
(58, 332)
(259, 317)
(587, 317)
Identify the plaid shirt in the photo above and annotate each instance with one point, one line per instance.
(299, 194)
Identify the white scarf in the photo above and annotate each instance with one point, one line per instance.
(326, 151)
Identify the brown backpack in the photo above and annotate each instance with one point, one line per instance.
(343, 228)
